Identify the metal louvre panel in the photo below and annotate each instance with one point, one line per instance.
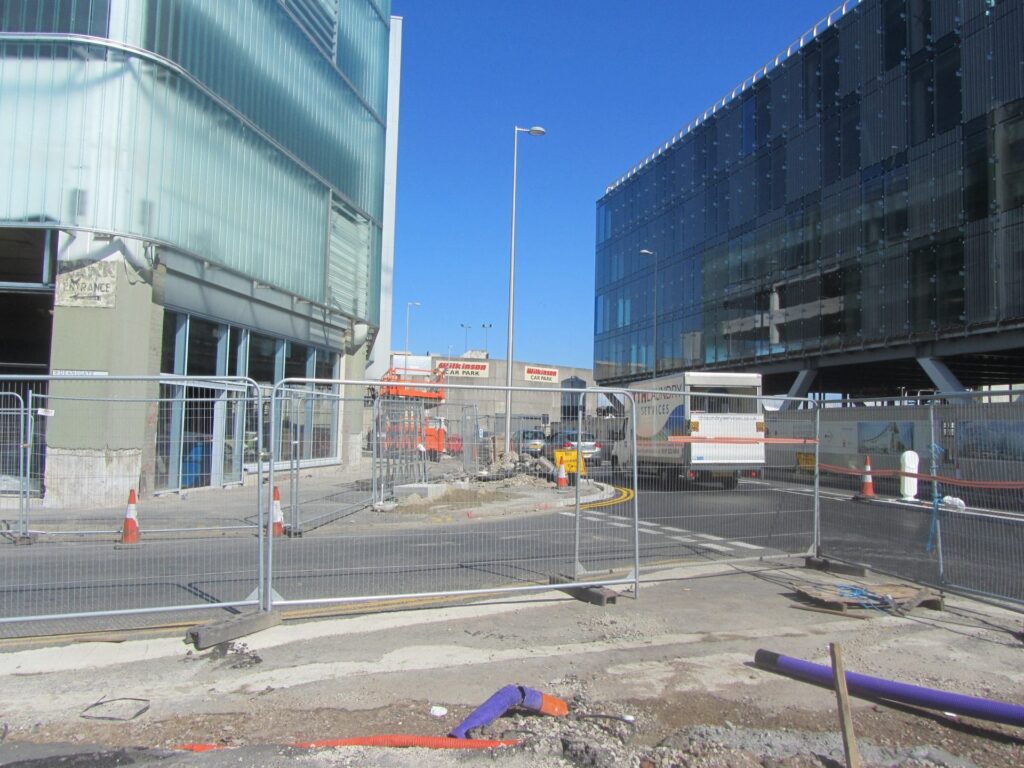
(851, 49)
(348, 274)
(319, 19)
(922, 191)
(870, 37)
(947, 165)
(1009, 264)
(894, 111)
(1007, 44)
(978, 278)
(897, 274)
(873, 291)
(945, 17)
(977, 73)
(873, 147)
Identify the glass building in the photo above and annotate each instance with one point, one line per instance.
(192, 187)
(849, 219)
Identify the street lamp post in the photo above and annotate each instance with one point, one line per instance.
(534, 131)
(486, 327)
(648, 252)
(465, 341)
(408, 305)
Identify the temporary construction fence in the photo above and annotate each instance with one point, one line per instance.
(421, 500)
(97, 457)
(961, 527)
(442, 517)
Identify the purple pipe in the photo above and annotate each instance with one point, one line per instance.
(878, 688)
(502, 701)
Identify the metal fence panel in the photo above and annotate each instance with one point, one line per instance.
(960, 527)
(104, 535)
(455, 517)
(719, 479)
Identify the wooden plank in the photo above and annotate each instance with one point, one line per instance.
(843, 700)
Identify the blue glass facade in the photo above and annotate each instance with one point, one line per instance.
(863, 192)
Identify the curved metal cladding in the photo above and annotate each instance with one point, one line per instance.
(220, 129)
(861, 190)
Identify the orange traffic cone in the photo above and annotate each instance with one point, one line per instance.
(276, 516)
(563, 479)
(130, 531)
(868, 487)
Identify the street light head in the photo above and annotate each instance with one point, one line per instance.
(536, 131)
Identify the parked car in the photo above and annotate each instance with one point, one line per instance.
(566, 440)
(529, 441)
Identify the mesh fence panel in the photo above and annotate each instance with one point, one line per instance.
(103, 534)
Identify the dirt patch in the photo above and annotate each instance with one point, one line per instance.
(691, 729)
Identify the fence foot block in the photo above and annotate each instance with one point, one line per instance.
(594, 595)
(824, 564)
(217, 632)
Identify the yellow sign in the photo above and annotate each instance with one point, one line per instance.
(568, 457)
(805, 461)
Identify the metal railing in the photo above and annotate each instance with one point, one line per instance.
(305, 493)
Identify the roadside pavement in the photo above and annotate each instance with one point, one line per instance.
(665, 679)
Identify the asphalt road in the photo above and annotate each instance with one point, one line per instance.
(348, 558)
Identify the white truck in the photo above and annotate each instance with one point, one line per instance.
(696, 426)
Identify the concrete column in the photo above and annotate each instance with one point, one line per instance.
(100, 433)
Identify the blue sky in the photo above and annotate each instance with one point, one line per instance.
(610, 81)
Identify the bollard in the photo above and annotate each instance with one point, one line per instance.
(909, 462)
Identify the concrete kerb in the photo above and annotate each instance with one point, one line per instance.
(530, 501)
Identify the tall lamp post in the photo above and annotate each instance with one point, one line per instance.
(408, 305)
(465, 341)
(534, 131)
(486, 327)
(648, 252)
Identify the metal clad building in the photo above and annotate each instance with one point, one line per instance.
(849, 219)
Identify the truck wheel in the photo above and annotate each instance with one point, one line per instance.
(730, 483)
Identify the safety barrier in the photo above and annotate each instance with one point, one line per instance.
(963, 529)
(444, 511)
(128, 499)
(153, 497)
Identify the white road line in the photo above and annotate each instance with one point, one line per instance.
(684, 539)
(568, 514)
(648, 522)
(708, 536)
(621, 525)
(744, 545)
(674, 530)
(651, 533)
(715, 547)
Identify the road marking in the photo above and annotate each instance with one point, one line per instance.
(621, 525)
(684, 539)
(648, 522)
(568, 514)
(651, 533)
(674, 530)
(715, 547)
(709, 537)
(744, 544)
